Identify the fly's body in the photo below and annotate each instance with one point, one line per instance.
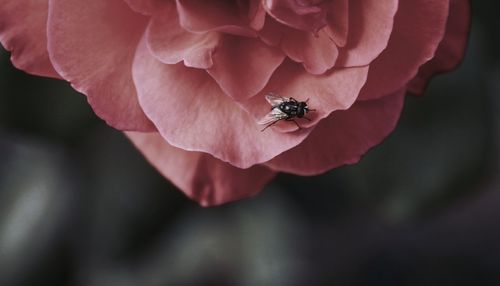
(284, 108)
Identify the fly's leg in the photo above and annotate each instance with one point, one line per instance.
(291, 119)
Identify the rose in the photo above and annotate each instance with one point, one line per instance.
(186, 79)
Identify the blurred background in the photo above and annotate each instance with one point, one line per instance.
(80, 206)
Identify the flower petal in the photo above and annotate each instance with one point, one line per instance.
(92, 44)
(419, 28)
(171, 44)
(338, 21)
(451, 50)
(370, 26)
(256, 14)
(23, 31)
(334, 90)
(200, 176)
(243, 66)
(191, 112)
(272, 33)
(317, 53)
(304, 15)
(343, 137)
(202, 16)
(145, 7)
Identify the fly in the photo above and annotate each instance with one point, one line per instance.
(284, 108)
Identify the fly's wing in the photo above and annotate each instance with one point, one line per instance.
(273, 116)
(275, 99)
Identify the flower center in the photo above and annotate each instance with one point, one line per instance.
(306, 15)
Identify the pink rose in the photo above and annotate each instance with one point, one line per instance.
(187, 79)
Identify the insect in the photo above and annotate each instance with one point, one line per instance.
(284, 108)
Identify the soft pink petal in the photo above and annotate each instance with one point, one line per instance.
(343, 137)
(451, 50)
(272, 33)
(334, 90)
(338, 21)
(216, 15)
(370, 26)
(171, 44)
(243, 66)
(191, 112)
(419, 28)
(23, 27)
(200, 176)
(240, 65)
(256, 14)
(146, 7)
(92, 45)
(303, 15)
(317, 53)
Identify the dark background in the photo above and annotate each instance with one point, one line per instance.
(80, 206)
